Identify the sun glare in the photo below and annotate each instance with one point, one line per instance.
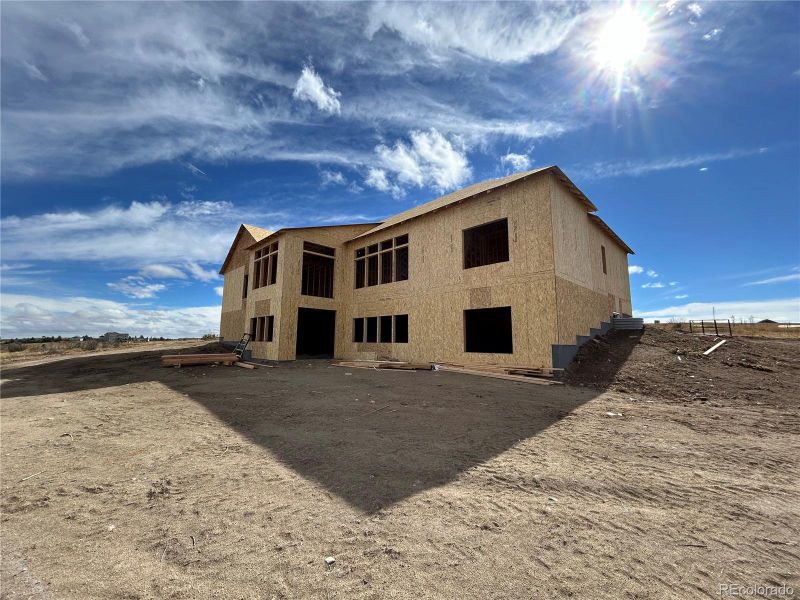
(622, 42)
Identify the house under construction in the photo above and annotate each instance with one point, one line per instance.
(511, 271)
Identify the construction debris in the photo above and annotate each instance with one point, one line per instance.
(714, 347)
(244, 365)
(500, 373)
(179, 360)
(377, 364)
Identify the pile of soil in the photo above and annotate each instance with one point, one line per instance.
(671, 365)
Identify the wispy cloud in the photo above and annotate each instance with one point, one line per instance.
(652, 273)
(136, 287)
(503, 33)
(200, 273)
(650, 284)
(783, 309)
(157, 271)
(636, 168)
(779, 279)
(635, 270)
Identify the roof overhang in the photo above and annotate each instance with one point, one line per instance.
(610, 233)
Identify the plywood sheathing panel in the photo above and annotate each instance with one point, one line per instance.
(439, 289)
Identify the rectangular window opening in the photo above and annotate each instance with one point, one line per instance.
(386, 267)
(401, 329)
(486, 244)
(386, 329)
(372, 270)
(488, 330)
(603, 254)
(401, 264)
(270, 327)
(317, 277)
(372, 330)
(358, 330)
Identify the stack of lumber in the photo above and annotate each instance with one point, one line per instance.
(532, 374)
(380, 364)
(179, 360)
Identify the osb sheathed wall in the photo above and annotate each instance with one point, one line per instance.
(553, 280)
(439, 289)
(284, 296)
(231, 320)
(586, 295)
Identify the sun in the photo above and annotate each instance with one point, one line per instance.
(622, 42)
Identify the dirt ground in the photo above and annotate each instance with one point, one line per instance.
(124, 479)
(48, 351)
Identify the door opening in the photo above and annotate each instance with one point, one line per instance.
(316, 330)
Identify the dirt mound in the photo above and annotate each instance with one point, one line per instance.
(671, 365)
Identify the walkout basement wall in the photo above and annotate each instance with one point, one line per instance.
(586, 296)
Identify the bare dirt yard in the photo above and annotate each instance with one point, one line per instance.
(124, 479)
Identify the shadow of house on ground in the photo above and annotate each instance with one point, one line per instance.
(371, 437)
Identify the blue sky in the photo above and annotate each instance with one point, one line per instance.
(136, 137)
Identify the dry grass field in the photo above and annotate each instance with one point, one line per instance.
(124, 479)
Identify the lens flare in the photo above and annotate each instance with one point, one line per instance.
(622, 42)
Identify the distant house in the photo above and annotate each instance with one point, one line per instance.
(113, 336)
(768, 321)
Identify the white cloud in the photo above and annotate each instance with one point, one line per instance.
(218, 291)
(652, 273)
(695, 9)
(500, 32)
(780, 279)
(33, 71)
(200, 273)
(785, 309)
(674, 282)
(636, 168)
(681, 296)
(136, 235)
(157, 271)
(635, 270)
(332, 178)
(713, 34)
(656, 284)
(77, 31)
(376, 178)
(28, 315)
(703, 169)
(517, 162)
(136, 287)
(430, 160)
(202, 208)
(311, 88)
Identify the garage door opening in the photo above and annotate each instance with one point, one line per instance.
(315, 332)
(488, 330)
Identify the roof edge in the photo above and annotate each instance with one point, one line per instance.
(604, 226)
(285, 229)
(252, 231)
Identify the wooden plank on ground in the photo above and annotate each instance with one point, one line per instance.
(497, 375)
(172, 360)
(714, 347)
